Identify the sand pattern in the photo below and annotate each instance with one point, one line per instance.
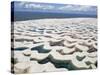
(47, 45)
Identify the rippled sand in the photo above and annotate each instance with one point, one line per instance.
(47, 45)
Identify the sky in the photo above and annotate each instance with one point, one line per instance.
(57, 8)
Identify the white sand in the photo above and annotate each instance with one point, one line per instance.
(70, 42)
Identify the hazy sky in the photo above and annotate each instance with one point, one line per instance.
(58, 8)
